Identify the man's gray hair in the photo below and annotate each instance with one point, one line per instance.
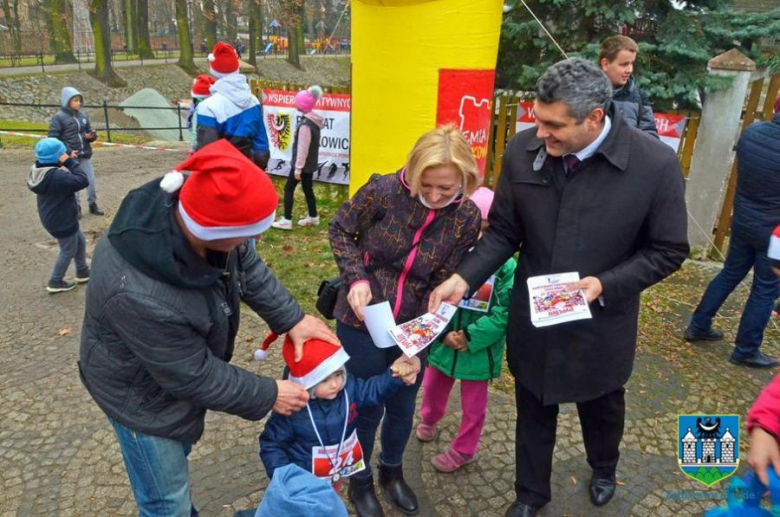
(578, 83)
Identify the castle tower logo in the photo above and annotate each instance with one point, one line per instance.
(708, 446)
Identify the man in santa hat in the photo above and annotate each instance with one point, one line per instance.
(232, 112)
(162, 314)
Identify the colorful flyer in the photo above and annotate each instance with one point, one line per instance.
(552, 304)
(480, 302)
(326, 464)
(415, 335)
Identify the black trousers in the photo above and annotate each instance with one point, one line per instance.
(602, 421)
(308, 190)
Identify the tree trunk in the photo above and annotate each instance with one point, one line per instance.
(59, 35)
(255, 26)
(293, 47)
(16, 31)
(185, 46)
(144, 44)
(211, 23)
(231, 20)
(7, 18)
(131, 26)
(98, 14)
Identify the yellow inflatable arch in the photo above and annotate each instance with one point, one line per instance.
(415, 64)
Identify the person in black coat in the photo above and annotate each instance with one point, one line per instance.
(56, 177)
(583, 192)
(756, 213)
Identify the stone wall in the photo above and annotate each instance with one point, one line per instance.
(169, 80)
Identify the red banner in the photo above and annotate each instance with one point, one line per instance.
(464, 99)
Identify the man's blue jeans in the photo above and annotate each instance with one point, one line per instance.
(758, 309)
(158, 472)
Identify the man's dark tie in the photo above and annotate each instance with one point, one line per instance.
(572, 163)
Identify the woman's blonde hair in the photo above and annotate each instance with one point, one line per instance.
(439, 147)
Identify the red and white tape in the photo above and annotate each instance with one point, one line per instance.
(108, 144)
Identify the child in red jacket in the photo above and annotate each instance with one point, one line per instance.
(763, 424)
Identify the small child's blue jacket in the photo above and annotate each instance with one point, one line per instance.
(290, 439)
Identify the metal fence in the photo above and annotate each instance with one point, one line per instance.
(105, 106)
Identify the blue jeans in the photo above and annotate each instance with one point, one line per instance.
(73, 247)
(158, 472)
(86, 166)
(366, 361)
(758, 309)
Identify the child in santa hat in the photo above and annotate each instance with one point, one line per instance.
(232, 112)
(201, 89)
(306, 148)
(323, 438)
(471, 350)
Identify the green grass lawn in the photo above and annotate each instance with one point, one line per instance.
(302, 258)
(24, 142)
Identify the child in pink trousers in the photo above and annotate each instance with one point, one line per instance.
(471, 350)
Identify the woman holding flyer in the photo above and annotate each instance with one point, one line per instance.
(416, 225)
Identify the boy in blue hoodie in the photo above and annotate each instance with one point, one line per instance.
(55, 178)
(322, 438)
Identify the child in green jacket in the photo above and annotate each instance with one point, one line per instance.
(471, 350)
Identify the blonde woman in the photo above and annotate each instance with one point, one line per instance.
(416, 226)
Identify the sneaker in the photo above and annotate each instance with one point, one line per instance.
(707, 335)
(94, 210)
(309, 221)
(450, 461)
(282, 224)
(82, 276)
(425, 432)
(60, 286)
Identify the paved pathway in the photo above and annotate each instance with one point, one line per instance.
(58, 455)
(49, 69)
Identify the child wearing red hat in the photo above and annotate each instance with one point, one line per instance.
(322, 438)
(232, 112)
(201, 89)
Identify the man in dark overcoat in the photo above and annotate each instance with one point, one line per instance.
(582, 192)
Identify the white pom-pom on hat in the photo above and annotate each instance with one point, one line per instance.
(316, 91)
(211, 57)
(262, 352)
(172, 181)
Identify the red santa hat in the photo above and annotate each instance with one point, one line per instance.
(226, 196)
(223, 60)
(319, 360)
(201, 86)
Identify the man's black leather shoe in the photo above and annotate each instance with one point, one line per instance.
(707, 335)
(363, 497)
(519, 509)
(396, 490)
(759, 360)
(602, 490)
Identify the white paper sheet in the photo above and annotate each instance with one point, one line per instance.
(379, 320)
